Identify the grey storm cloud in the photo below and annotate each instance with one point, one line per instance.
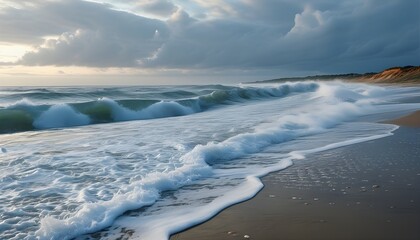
(319, 35)
(157, 7)
(89, 34)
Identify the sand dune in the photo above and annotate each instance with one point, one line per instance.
(407, 74)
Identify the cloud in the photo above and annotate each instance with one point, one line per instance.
(19, 23)
(308, 20)
(217, 8)
(97, 36)
(318, 35)
(162, 8)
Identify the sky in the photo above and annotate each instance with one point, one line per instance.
(119, 42)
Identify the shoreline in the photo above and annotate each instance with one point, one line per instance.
(393, 75)
(410, 120)
(359, 200)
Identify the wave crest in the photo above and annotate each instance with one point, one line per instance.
(25, 115)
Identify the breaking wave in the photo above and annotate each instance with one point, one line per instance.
(24, 115)
(335, 105)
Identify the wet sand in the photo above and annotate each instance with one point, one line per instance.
(411, 120)
(363, 191)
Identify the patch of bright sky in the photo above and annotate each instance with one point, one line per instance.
(19, 4)
(191, 7)
(196, 8)
(14, 75)
(127, 6)
(79, 76)
(10, 52)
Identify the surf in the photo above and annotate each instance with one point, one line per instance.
(182, 159)
(25, 114)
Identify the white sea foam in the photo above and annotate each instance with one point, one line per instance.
(95, 216)
(94, 174)
(160, 109)
(156, 227)
(60, 115)
(157, 110)
(99, 215)
(161, 227)
(25, 102)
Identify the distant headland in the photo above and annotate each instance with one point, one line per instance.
(407, 74)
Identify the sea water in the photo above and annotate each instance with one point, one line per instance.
(157, 160)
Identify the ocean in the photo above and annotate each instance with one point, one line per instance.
(149, 161)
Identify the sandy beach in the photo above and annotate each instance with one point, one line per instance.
(363, 191)
(411, 120)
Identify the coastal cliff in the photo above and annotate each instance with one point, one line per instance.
(407, 74)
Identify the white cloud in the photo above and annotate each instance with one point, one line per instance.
(308, 20)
